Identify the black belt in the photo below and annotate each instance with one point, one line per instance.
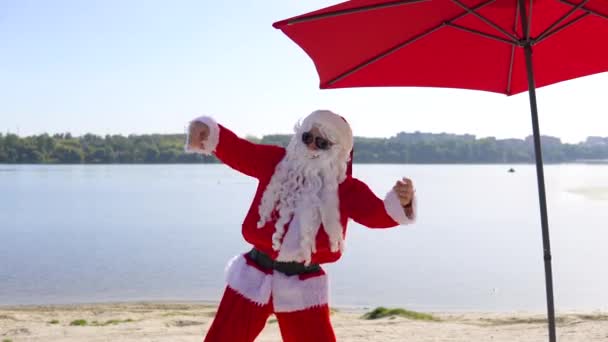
(287, 268)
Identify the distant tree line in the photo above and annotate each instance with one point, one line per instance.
(403, 148)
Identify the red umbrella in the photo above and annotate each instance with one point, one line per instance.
(470, 44)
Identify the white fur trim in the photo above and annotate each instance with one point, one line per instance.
(212, 140)
(290, 294)
(395, 210)
(248, 281)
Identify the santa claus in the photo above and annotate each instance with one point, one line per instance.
(296, 222)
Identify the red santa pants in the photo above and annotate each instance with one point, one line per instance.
(241, 320)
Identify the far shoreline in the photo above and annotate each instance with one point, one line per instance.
(586, 162)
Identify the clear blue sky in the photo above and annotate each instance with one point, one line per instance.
(148, 66)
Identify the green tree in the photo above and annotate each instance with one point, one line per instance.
(68, 155)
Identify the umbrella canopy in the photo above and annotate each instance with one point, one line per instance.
(501, 46)
(470, 44)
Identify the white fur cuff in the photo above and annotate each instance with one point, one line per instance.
(395, 210)
(211, 142)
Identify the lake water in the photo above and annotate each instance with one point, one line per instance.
(84, 233)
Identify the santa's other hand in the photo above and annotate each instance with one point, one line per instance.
(198, 133)
(404, 189)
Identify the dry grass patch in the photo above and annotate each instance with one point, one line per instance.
(381, 312)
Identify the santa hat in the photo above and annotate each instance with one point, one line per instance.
(338, 127)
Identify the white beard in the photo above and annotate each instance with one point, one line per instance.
(304, 191)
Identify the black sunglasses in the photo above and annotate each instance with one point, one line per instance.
(321, 143)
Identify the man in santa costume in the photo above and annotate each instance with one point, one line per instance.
(296, 222)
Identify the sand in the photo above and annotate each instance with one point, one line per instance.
(595, 193)
(164, 322)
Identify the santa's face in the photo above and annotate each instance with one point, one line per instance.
(314, 140)
(317, 146)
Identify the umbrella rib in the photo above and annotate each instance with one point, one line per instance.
(524, 21)
(510, 75)
(512, 59)
(399, 46)
(564, 17)
(338, 13)
(604, 16)
(384, 54)
(485, 20)
(516, 17)
(483, 34)
(527, 33)
(568, 24)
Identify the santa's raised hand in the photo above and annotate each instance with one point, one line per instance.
(405, 191)
(198, 132)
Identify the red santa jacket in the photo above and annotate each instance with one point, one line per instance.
(357, 201)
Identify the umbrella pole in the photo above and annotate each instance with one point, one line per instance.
(541, 192)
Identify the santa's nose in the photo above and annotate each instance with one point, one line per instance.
(312, 146)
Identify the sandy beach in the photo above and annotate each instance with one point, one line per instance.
(164, 322)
